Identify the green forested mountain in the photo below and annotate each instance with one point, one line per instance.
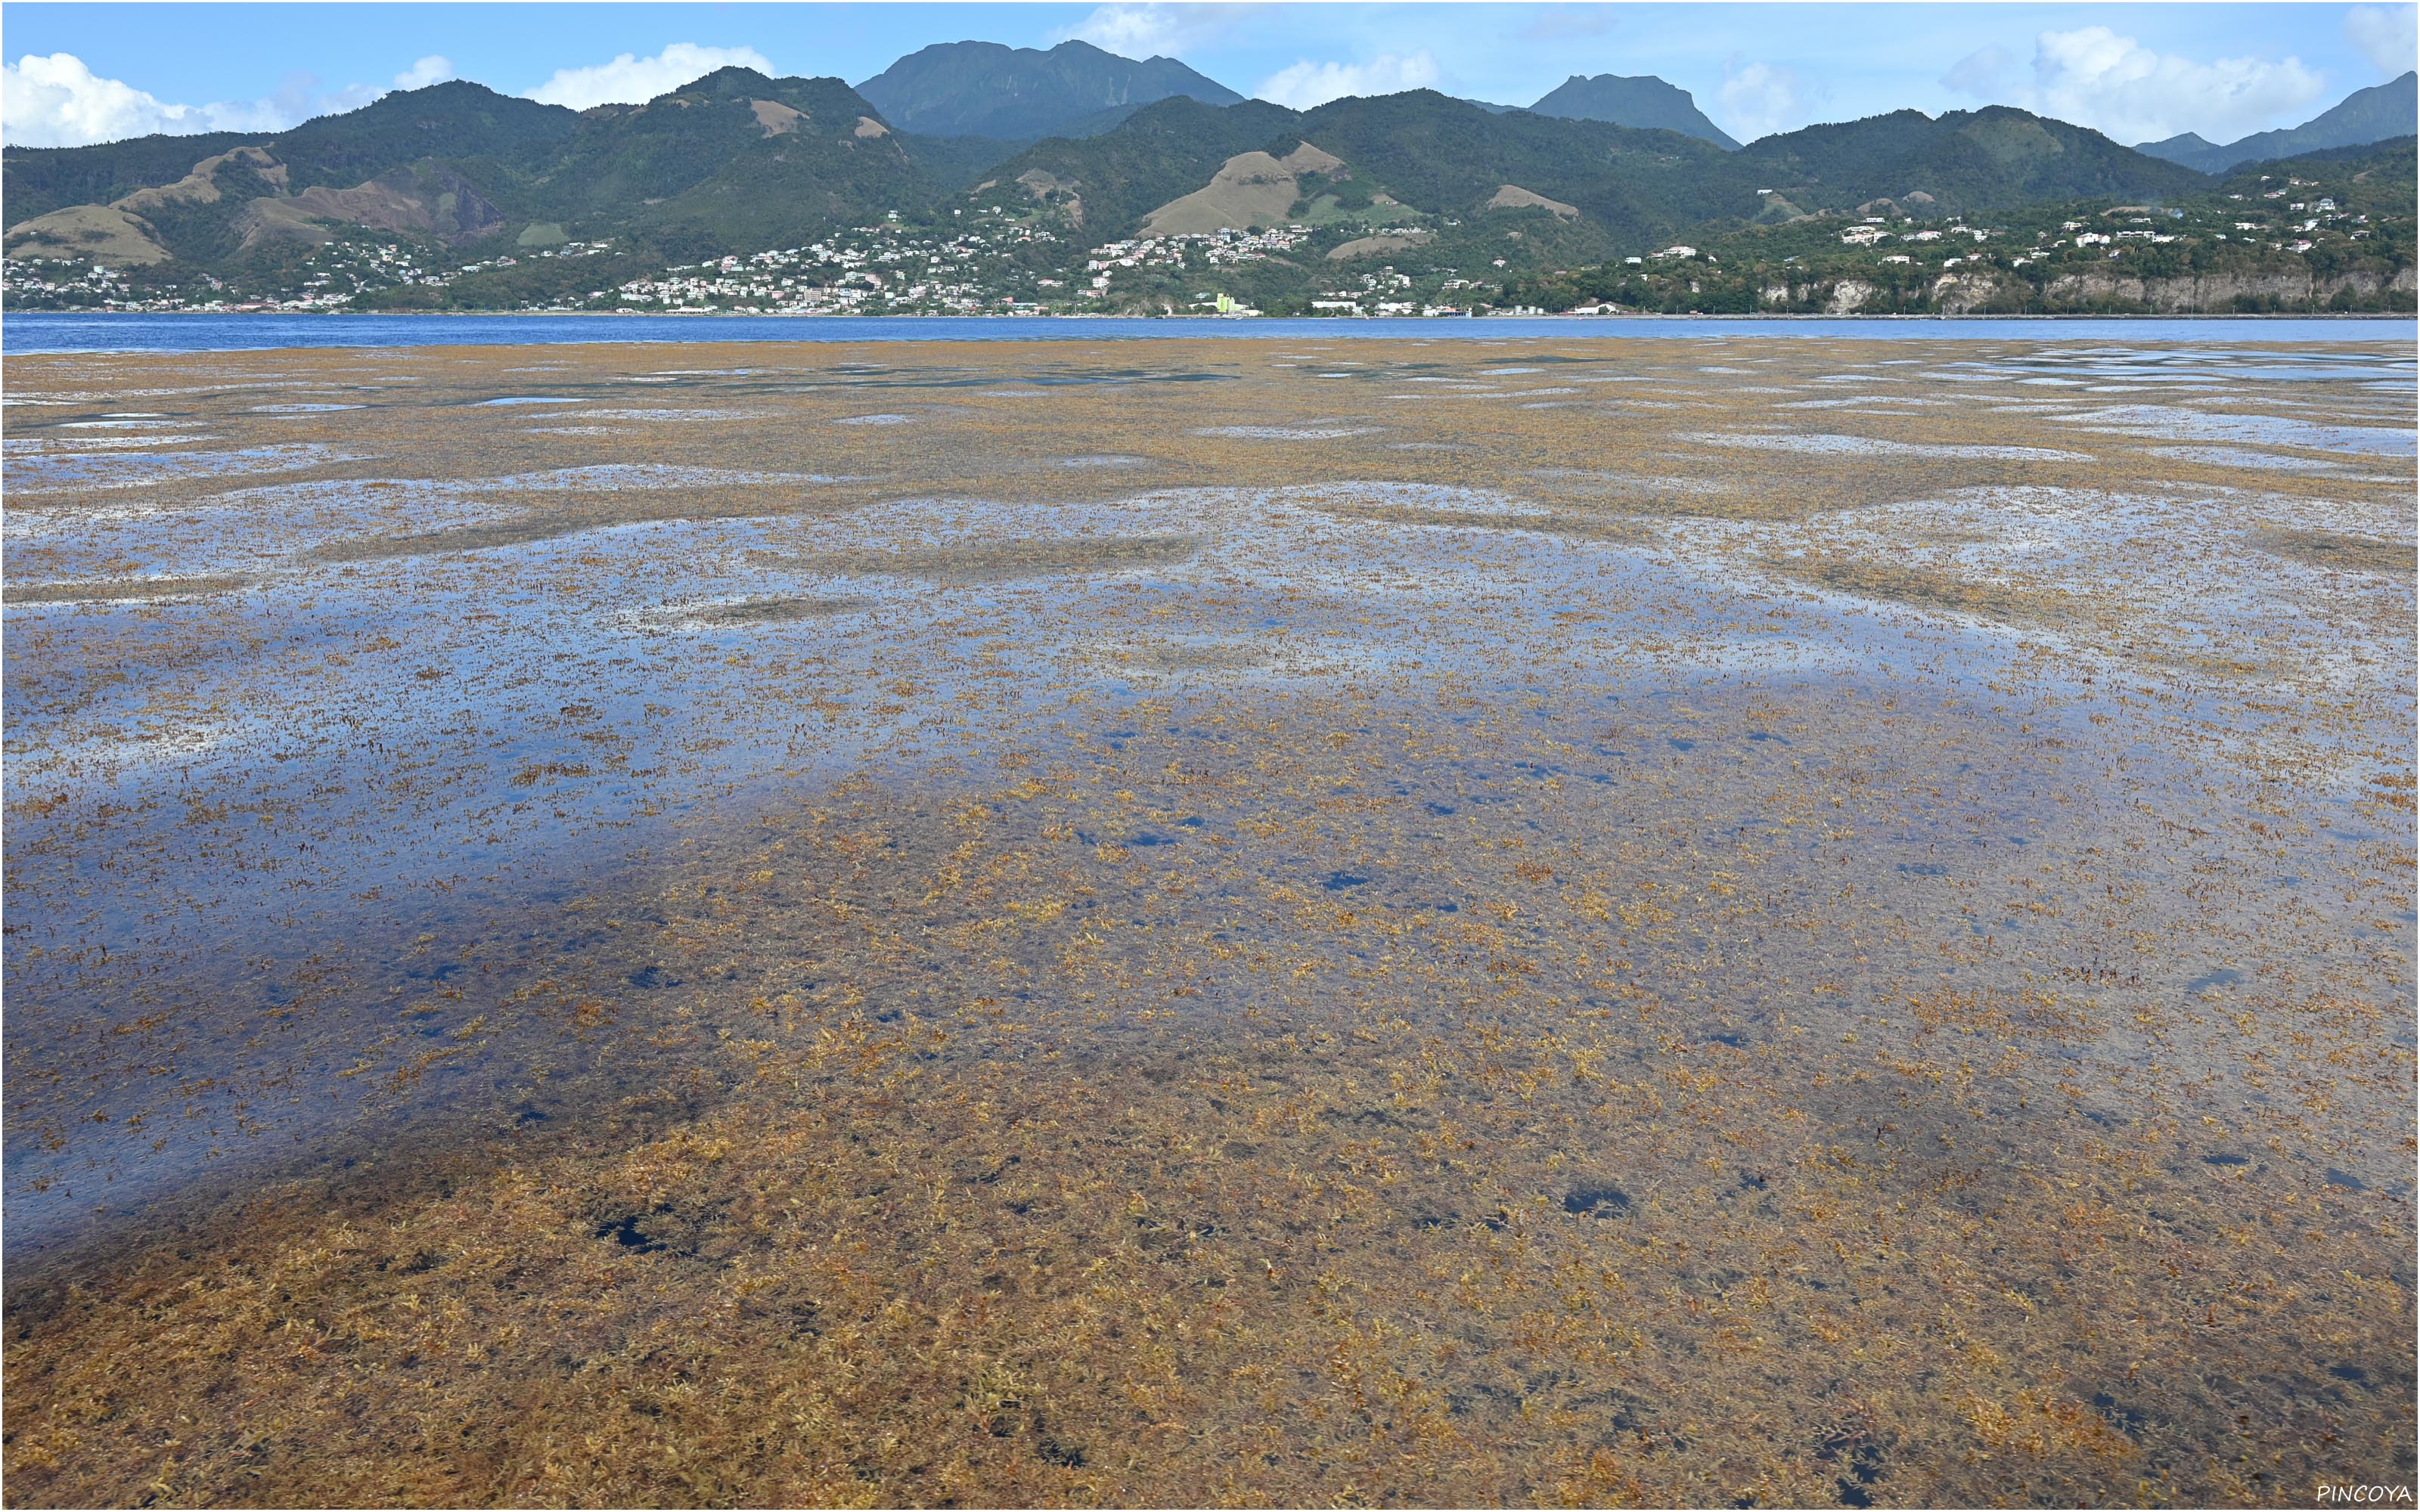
(1646, 103)
(456, 121)
(1965, 161)
(41, 179)
(1017, 94)
(2379, 179)
(2330, 230)
(1434, 155)
(2378, 114)
(1106, 184)
(1449, 158)
(734, 160)
(958, 161)
(453, 122)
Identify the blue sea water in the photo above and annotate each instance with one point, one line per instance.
(43, 332)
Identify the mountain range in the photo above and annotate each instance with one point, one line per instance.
(2365, 115)
(1421, 153)
(1078, 141)
(1020, 95)
(731, 160)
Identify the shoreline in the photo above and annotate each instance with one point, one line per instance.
(123, 332)
(2347, 315)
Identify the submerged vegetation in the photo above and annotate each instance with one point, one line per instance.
(1476, 923)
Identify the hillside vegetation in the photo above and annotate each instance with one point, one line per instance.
(2333, 231)
(738, 191)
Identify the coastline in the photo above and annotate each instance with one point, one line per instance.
(1684, 318)
(39, 332)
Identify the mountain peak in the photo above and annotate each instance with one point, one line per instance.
(1644, 102)
(729, 80)
(1017, 94)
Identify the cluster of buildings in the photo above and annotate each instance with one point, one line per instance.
(874, 269)
(2141, 224)
(69, 284)
(1387, 292)
(568, 249)
(1173, 253)
(336, 274)
(2318, 213)
(1870, 232)
(385, 264)
(60, 279)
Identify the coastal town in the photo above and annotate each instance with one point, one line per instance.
(993, 260)
(997, 265)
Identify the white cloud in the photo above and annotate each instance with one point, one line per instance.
(1759, 99)
(1983, 74)
(2388, 35)
(1141, 31)
(57, 101)
(629, 80)
(1307, 84)
(433, 69)
(2118, 86)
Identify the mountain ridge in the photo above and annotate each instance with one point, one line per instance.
(455, 194)
(736, 160)
(2378, 114)
(1446, 157)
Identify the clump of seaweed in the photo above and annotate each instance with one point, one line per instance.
(1619, 531)
(118, 590)
(2336, 549)
(997, 561)
(1931, 589)
(778, 610)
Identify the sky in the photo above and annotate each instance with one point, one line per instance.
(72, 73)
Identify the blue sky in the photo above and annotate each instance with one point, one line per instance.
(79, 73)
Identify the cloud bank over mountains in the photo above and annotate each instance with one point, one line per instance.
(1759, 99)
(629, 80)
(2130, 93)
(1307, 85)
(56, 102)
(1143, 31)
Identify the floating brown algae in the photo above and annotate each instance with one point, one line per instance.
(1724, 974)
(777, 610)
(1896, 583)
(119, 589)
(2334, 549)
(1621, 531)
(979, 562)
